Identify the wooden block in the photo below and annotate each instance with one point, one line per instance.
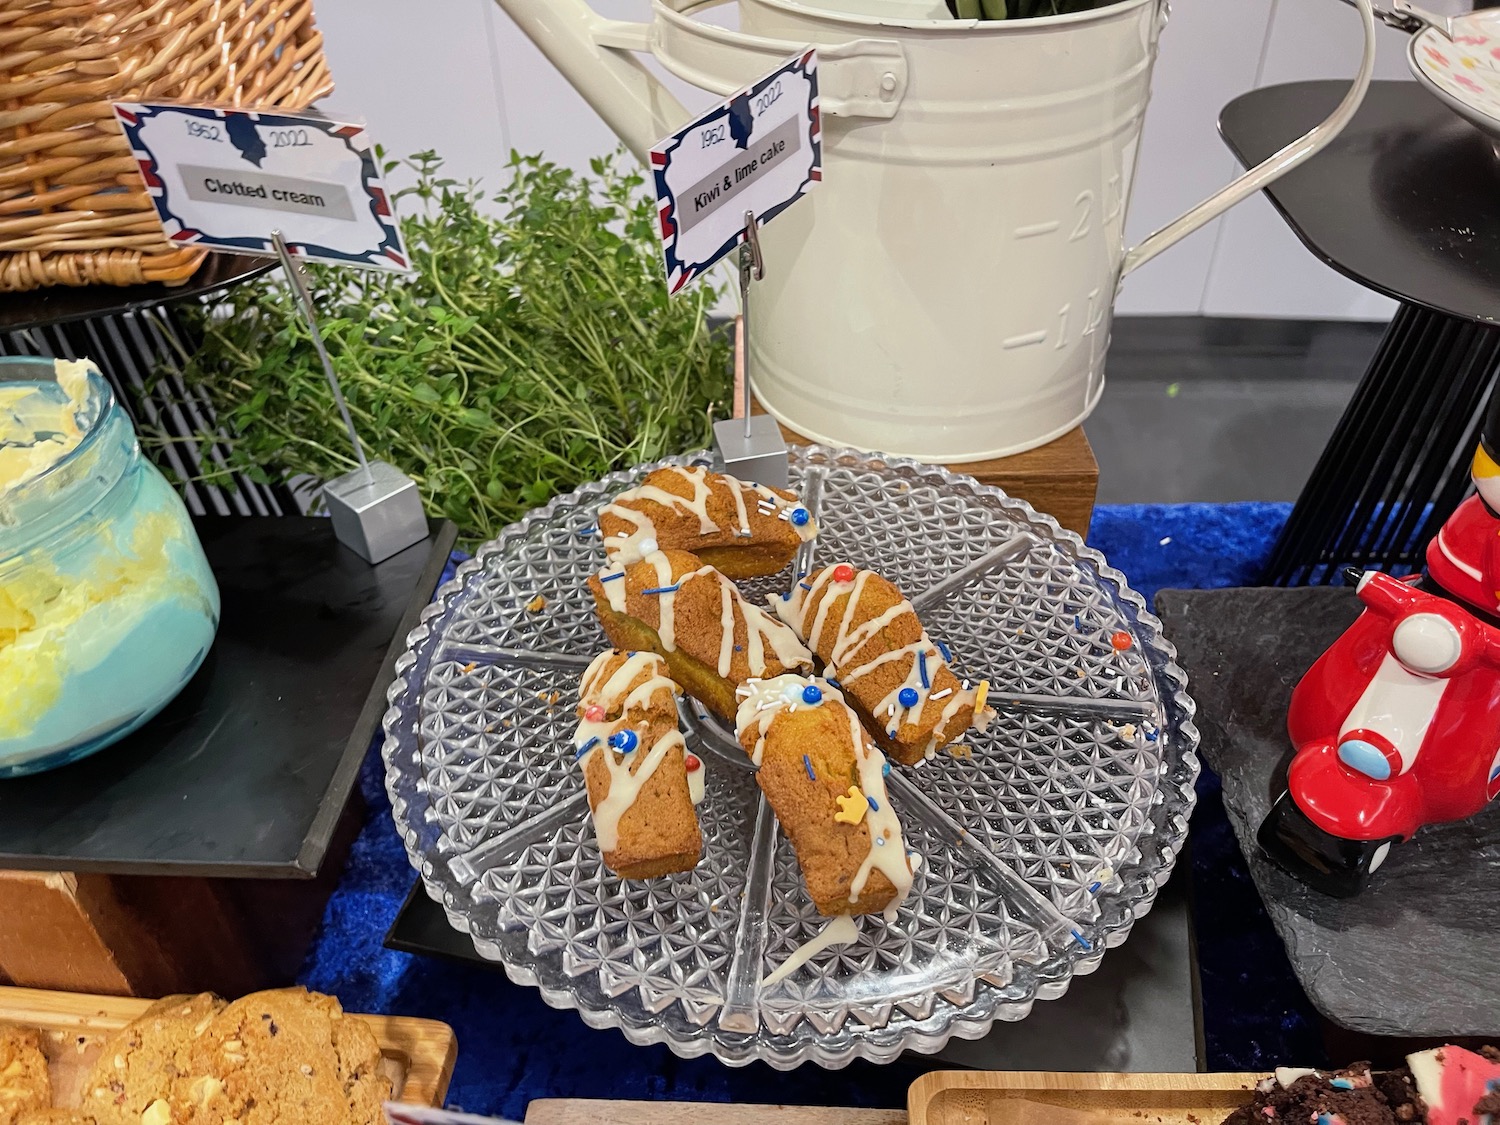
(580, 1111)
(147, 935)
(1060, 478)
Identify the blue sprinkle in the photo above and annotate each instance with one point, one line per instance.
(1083, 941)
(1077, 623)
(786, 597)
(922, 669)
(892, 732)
(885, 769)
(812, 694)
(587, 531)
(586, 747)
(807, 765)
(739, 648)
(672, 589)
(907, 697)
(1094, 888)
(1151, 735)
(1341, 1083)
(611, 577)
(947, 656)
(873, 806)
(1325, 1119)
(624, 740)
(800, 516)
(834, 683)
(805, 586)
(880, 841)
(802, 574)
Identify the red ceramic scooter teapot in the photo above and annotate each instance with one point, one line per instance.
(1397, 725)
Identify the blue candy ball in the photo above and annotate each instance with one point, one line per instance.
(908, 697)
(812, 693)
(800, 516)
(624, 741)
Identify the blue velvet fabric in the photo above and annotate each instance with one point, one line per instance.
(513, 1048)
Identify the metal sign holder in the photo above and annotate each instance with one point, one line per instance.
(376, 509)
(750, 445)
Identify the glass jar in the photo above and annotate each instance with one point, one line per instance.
(107, 605)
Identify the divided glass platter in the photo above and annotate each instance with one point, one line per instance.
(1042, 839)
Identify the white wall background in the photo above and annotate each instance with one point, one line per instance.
(459, 77)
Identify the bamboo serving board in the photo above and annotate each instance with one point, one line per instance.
(976, 1097)
(418, 1054)
(585, 1111)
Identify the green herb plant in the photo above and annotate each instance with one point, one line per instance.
(533, 348)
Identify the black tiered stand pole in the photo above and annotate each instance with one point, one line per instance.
(1398, 461)
(1404, 202)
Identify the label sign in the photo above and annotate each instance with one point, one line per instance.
(227, 178)
(760, 150)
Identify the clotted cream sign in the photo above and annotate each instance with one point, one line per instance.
(227, 178)
(760, 150)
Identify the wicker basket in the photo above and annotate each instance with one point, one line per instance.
(73, 206)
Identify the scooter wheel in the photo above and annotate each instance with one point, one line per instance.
(1326, 863)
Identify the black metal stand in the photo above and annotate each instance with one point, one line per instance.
(1398, 462)
(1404, 202)
(137, 339)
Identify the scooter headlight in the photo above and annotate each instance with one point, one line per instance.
(1427, 643)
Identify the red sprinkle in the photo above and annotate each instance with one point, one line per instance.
(594, 714)
(1121, 641)
(843, 573)
(692, 762)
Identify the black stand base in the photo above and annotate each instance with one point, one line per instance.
(1398, 462)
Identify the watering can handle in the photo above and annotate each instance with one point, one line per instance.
(1274, 166)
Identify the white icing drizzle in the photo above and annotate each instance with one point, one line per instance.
(617, 698)
(696, 779)
(726, 624)
(839, 931)
(628, 547)
(769, 698)
(761, 629)
(849, 639)
(625, 786)
(614, 587)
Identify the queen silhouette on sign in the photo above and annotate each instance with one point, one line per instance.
(741, 121)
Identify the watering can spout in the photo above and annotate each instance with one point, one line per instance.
(599, 58)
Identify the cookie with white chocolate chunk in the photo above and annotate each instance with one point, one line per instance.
(744, 530)
(139, 1062)
(282, 1055)
(24, 1082)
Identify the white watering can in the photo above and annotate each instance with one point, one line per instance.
(946, 292)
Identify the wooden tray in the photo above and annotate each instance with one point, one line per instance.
(966, 1097)
(418, 1054)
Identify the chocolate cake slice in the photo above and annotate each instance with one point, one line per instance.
(1352, 1096)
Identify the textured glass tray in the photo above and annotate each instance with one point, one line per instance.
(1074, 802)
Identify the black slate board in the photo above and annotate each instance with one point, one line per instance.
(246, 772)
(1418, 953)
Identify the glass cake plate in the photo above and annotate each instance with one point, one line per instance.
(1042, 839)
